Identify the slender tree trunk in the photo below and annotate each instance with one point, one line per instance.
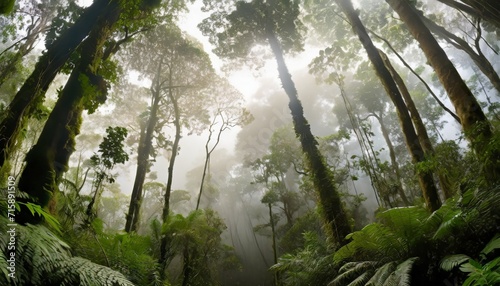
(33, 90)
(186, 268)
(275, 253)
(10, 68)
(478, 57)
(49, 157)
(394, 162)
(412, 142)
(144, 150)
(423, 136)
(208, 153)
(405, 63)
(474, 122)
(332, 210)
(488, 10)
(165, 241)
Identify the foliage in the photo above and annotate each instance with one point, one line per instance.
(196, 238)
(310, 265)
(44, 259)
(478, 274)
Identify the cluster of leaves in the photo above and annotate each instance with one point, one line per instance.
(42, 258)
(196, 238)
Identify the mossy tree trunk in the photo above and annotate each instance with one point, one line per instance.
(423, 136)
(336, 221)
(48, 158)
(425, 179)
(143, 153)
(32, 92)
(473, 120)
(477, 55)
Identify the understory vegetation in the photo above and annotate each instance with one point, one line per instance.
(250, 143)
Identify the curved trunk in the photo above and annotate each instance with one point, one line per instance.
(48, 158)
(33, 90)
(412, 142)
(145, 146)
(332, 210)
(474, 122)
(423, 136)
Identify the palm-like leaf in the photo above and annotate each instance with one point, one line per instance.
(44, 259)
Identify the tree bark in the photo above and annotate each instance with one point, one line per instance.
(474, 122)
(165, 241)
(423, 136)
(477, 57)
(336, 220)
(412, 142)
(33, 90)
(144, 150)
(488, 10)
(394, 162)
(48, 158)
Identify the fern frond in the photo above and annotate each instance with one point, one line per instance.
(382, 274)
(402, 275)
(492, 245)
(362, 279)
(452, 261)
(352, 270)
(88, 273)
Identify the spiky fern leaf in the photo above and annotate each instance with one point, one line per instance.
(452, 261)
(80, 271)
(44, 259)
(402, 275)
(382, 274)
(351, 271)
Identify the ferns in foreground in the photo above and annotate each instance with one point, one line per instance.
(44, 259)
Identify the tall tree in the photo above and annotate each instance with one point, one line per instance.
(474, 122)
(48, 66)
(49, 157)
(276, 24)
(226, 114)
(426, 181)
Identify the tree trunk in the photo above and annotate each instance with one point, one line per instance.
(29, 43)
(165, 241)
(48, 158)
(332, 210)
(412, 142)
(144, 150)
(474, 122)
(33, 90)
(275, 253)
(394, 162)
(423, 136)
(478, 57)
(488, 10)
